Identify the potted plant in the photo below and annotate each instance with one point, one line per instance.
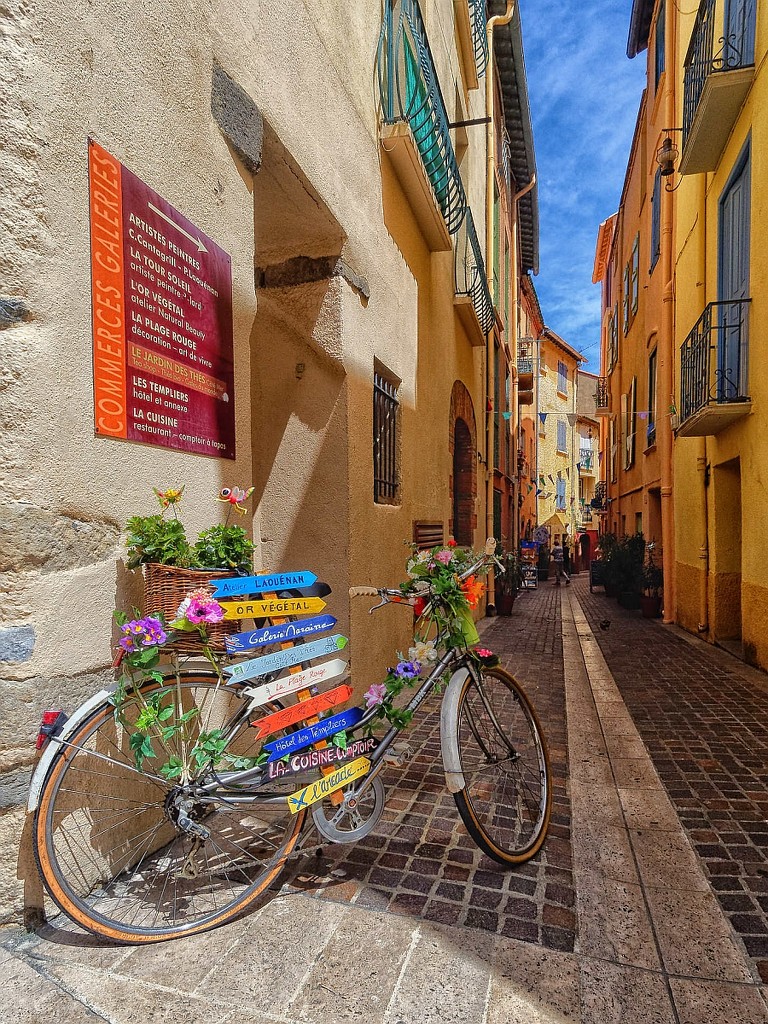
(627, 569)
(606, 547)
(507, 582)
(173, 567)
(653, 583)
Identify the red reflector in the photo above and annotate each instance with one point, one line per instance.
(51, 723)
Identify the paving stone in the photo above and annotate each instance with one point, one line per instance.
(699, 1002)
(611, 994)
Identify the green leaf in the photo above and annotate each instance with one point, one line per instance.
(340, 740)
(165, 713)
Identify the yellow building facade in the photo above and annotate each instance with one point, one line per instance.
(694, 199)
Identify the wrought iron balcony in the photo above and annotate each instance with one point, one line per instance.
(713, 369)
(469, 16)
(415, 117)
(600, 499)
(586, 455)
(716, 79)
(470, 282)
(602, 397)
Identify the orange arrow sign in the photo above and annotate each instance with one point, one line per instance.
(304, 709)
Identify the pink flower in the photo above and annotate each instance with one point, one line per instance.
(375, 695)
(483, 652)
(444, 556)
(204, 610)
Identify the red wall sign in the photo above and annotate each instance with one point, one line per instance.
(162, 319)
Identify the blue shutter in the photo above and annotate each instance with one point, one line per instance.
(656, 219)
(561, 439)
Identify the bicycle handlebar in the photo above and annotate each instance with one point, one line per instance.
(384, 593)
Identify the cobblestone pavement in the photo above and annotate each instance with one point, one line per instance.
(420, 859)
(703, 717)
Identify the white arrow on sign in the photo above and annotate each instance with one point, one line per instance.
(299, 681)
(195, 241)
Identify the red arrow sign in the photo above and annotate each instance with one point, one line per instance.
(304, 709)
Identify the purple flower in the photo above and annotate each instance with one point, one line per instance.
(407, 669)
(204, 610)
(138, 633)
(374, 695)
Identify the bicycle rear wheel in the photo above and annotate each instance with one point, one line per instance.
(108, 839)
(506, 801)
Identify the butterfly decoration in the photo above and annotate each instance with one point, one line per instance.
(236, 496)
(170, 497)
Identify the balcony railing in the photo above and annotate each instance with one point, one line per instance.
(601, 495)
(469, 272)
(479, 35)
(602, 396)
(524, 360)
(410, 94)
(713, 369)
(585, 459)
(723, 40)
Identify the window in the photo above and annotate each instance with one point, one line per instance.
(656, 219)
(629, 416)
(625, 298)
(651, 435)
(613, 338)
(638, 522)
(560, 494)
(562, 378)
(659, 47)
(612, 447)
(634, 280)
(386, 423)
(562, 445)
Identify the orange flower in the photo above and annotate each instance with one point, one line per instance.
(473, 589)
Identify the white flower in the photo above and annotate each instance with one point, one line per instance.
(181, 611)
(423, 651)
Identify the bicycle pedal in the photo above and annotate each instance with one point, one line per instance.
(398, 755)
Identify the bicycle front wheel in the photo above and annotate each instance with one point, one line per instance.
(506, 801)
(114, 841)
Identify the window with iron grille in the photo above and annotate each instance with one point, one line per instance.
(386, 422)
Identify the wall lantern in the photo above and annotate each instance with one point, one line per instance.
(666, 157)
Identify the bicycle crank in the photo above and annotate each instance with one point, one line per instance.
(354, 818)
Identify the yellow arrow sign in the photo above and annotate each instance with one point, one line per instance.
(323, 787)
(273, 608)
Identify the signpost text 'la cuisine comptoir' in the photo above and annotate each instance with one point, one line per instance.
(162, 319)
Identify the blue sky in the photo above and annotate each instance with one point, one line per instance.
(584, 95)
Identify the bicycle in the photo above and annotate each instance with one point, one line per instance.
(134, 853)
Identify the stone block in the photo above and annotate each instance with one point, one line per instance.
(238, 117)
(13, 311)
(16, 643)
(35, 538)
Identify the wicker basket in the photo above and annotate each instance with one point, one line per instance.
(166, 586)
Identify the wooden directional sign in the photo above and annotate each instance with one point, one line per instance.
(299, 681)
(312, 734)
(302, 711)
(279, 634)
(263, 583)
(284, 659)
(324, 787)
(309, 760)
(273, 608)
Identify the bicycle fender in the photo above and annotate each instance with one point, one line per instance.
(449, 738)
(54, 746)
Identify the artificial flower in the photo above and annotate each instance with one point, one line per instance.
(451, 542)
(204, 610)
(138, 633)
(473, 589)
(423, 651)
(483, 652)
(374, 695)
(407, 669)
(444, 556)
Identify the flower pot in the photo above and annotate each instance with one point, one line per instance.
(629, 599)
(504, 603)
(650, 607)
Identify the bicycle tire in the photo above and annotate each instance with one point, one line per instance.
(83, 829)
(507, 798)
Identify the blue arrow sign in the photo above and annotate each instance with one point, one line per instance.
(262, 584)
(279, 634)
(312, 733)
(284, 659)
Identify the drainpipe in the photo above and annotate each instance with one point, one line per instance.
(666, 341)
(490, 177)
(701, 460)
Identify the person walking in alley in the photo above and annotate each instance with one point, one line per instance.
(557, 558)
(566, 557)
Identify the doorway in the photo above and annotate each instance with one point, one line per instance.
(726, 557)
(463, 496)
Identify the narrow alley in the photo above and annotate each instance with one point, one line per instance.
(648, 902)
